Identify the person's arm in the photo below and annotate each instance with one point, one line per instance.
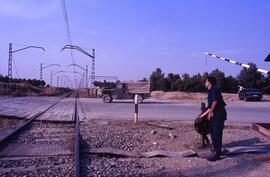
(204, 114)
(213, 107)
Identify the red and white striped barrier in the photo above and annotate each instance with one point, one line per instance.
(236, 62)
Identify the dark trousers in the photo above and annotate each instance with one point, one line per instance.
(216, 129)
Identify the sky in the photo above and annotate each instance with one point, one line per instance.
(134, 37)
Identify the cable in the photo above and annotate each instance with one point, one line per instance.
(21, 45)
(15, 67)
(69, 36)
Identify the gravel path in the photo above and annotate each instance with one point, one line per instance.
(139, 137)
(142, 137)
(126, 135)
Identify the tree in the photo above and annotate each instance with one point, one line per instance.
(250, 77)
(157, 80)
(171, 81)
(230, 85)
(104, 84)
(143, 80)
(220, 76)
(33, 82)
(197, 83)
(266, 85)
(186, 86)
(3, 78)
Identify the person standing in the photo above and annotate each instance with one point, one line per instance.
(216, 114)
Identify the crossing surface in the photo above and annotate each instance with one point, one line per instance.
(89, 108)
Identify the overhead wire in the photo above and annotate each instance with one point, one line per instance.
(13, 61)
(16, 70)
(22, 45)
(63, 3)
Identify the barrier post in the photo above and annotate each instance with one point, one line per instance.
(136, 108)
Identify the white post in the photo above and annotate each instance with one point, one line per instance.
(136, 108)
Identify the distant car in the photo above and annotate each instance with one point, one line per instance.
(250, 94)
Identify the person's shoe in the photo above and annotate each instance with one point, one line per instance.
(205, 146)
(213, 158)
(213, 150)
(224, 151)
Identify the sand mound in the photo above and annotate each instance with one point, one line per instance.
(157, 94)
(189, 96)
(178, 95)
(230, 96)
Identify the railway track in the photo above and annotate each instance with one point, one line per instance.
(42, 148)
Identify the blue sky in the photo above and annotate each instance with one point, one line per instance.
(134, 37)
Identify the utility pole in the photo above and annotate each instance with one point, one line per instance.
(57, 84)
(86, 76)
(43, 67)
(10, 62)
(84, 52)
(83, 79)
(9, 67)
(51, 77)
(86, 71)
(54, 74)
(10, 53)
(64, 80)
(93, 69)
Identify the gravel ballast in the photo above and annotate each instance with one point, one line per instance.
(39, 135)
(142, 137)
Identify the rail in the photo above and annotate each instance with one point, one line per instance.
(77, 138)
(4, 140)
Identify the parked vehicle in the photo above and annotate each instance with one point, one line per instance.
(127, 90)
(247, 94)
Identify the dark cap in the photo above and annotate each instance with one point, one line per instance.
(212, 80)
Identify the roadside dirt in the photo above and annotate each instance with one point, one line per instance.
(126, 135)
